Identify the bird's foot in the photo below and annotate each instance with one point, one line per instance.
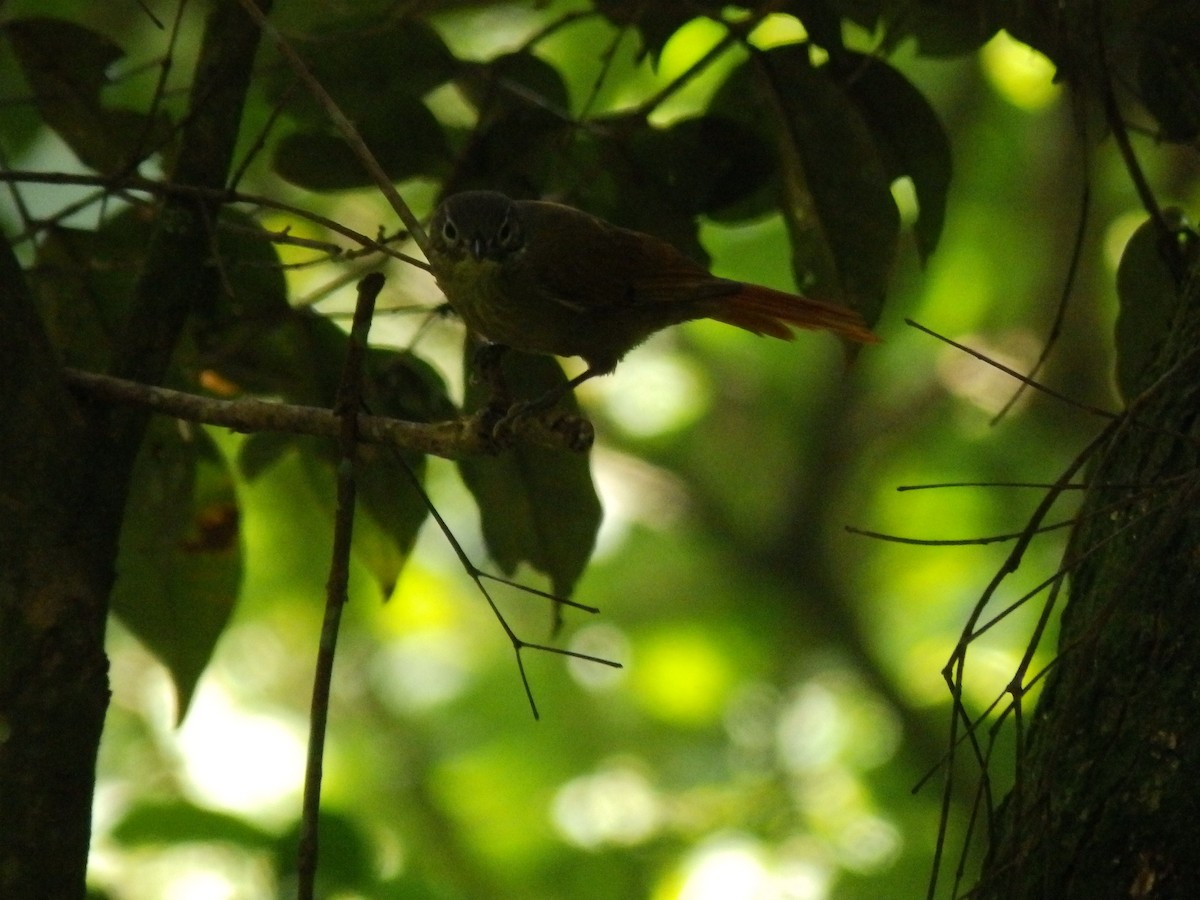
(539, 422)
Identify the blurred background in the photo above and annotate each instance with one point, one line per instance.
(781, 692)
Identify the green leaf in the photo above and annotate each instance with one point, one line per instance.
(67, 66)
(405, 387)
(514, 84)
(536, 505)
(940, 29)
(83, 282)
(376, 70)
(366, 63)
(154, 823)
(180, 560)
(1169, 67)
(835, 190)
(251, 301)
(299, 358)
(821, 21)
(655, 22)
(1148, 295)
(909, 136)
(390, 510)
(403, 135)
(347, 855)
(708, 163)
(524, 132)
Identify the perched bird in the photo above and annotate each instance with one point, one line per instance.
(547, 278)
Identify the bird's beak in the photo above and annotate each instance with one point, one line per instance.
(476, 246)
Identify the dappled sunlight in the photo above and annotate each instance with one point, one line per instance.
(738, 867)
(615, 805)
(982, 385)
(672, 393)
(247, 762)
(681, 676)
(606, 642)
(779, 687)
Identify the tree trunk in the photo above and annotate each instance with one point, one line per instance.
(1107, 802)
(64, 476)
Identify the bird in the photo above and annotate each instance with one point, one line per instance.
(547, 278)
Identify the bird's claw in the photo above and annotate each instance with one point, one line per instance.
(538, 423)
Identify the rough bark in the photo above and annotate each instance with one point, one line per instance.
(64, 473)
(1108, 796)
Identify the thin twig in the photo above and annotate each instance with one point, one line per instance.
(954, 668)
(349, 400)
(219, 195)
(478, 576)
(1064, 297)
(343, 124)
(1024, 379)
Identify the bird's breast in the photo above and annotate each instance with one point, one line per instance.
(496, 303)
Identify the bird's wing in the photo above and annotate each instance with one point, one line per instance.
(604, 266)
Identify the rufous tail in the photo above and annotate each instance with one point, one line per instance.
(766, 311)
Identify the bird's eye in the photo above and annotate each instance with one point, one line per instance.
(504, 233)
(449, 231)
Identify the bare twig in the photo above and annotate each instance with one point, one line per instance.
(1024, 379)
(1064, 297)
(218, 195)
(343, 124)
(349, 400)
(478, 576)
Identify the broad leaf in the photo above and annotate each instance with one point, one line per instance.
(83, 282)
(706, 164)
(67, 66)
(348, 863)
(367, 64)
(940, 29)
(180, 561)
(536, 505)
(403, 136)
(514, 84)
(177, 821)
(1169, 67)
(909, 136)
(656, 21)
(1148, 296)
(834, 186)
(390, 509)
(524, 131)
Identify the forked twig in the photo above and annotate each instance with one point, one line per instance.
(478, 576)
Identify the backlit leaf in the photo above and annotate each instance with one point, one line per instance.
(67, 65)
(403, 136)
(909, 136)
(536, 505)
(180, 561)
(1148, 295)
(178, 821)
(835, 192)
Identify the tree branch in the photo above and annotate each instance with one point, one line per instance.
(452, 439)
